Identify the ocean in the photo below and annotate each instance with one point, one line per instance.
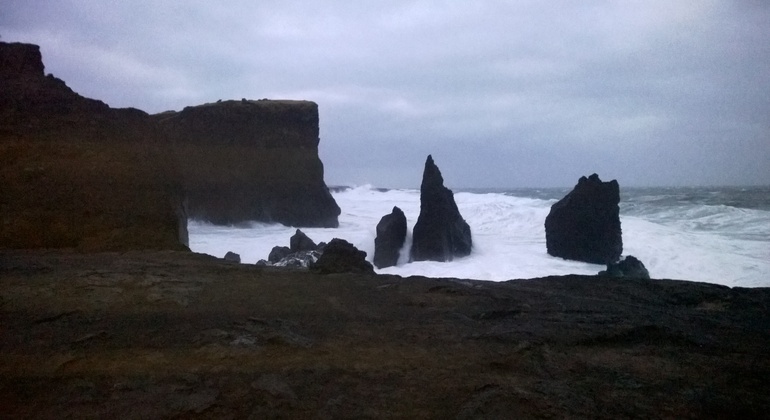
(708, 234)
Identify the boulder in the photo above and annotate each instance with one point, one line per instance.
(440, 233)
(391, 234)
(300, 242)
(585, 224)
(630, 266)
(278, 253)
(232, 256)
(340, 256)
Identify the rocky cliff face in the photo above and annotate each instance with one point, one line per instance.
(252, 160)
(76, 173)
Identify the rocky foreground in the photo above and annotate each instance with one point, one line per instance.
(167, 333)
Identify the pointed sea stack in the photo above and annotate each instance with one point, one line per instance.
(391, 235)
(585, 224)
(440, 233)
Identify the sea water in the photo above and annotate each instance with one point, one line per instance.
(716, 235)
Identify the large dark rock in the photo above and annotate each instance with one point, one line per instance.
(76, 173)
(440, 233)
(340, 256)
(252, 161)
(391, 234)
(585, 224)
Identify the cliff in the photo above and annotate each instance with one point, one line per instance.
(252, 160)
(76, 173)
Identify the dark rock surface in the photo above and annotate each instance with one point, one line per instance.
(76, 173)
(183, 335)
(585, 224)
(440, 233)
(340, 256)
(232, 257)
(391, 234)
(278, 253)
(630, 266)
(301, 242)
(252, 161)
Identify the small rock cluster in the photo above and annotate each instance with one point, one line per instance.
(301, 252)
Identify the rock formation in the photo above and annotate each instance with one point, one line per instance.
(232, 257)
(440, 233)
(252, 160)
(340, 256)
(391, 234)
(301, 242)
(627, 267)
(585, 224)
(76, 173)
(278, 253)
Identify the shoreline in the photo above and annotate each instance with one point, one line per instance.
(167, 333)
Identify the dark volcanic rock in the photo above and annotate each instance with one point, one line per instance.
(340, 256)
(20, 60)
(585, 224)
(252, 160)
(627, 267)
(278, 253)
(232, 256)
(440, 233)
(76, 173)
(300, 242)
(391, 234)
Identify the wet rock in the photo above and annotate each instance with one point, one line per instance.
(301, 259)
(340, 256)
(391, 234)
(301, 242)
(440, 233)
(630, 266)
(585, 224)
(278, 253)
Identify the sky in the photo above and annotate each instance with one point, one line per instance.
(501, 93)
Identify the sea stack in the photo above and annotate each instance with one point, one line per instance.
(585, 224)
(391, 235)
(440, 233)
(252, 160)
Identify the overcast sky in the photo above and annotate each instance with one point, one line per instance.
(502, 93)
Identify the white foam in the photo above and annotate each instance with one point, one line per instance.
(509, 239)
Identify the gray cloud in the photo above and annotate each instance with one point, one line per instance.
(501, 93)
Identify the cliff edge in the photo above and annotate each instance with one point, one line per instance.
(252, 161)
(76, 173)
